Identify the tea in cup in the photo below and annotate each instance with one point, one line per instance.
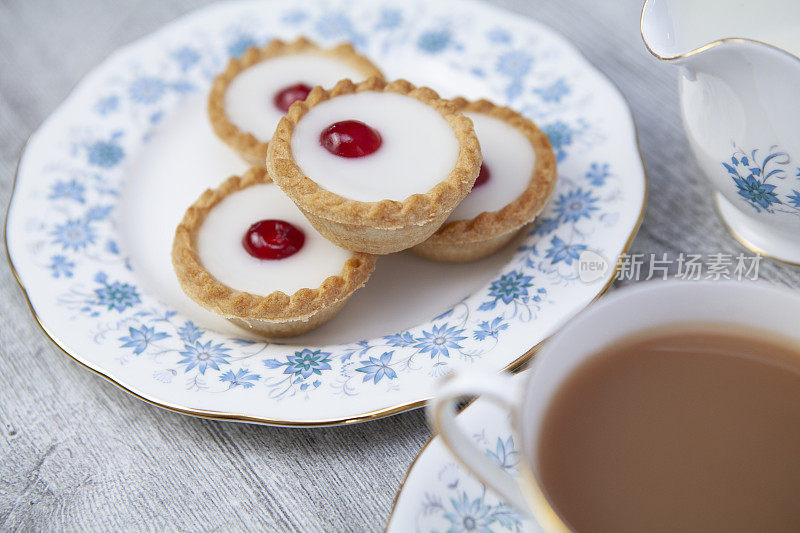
(666, 407)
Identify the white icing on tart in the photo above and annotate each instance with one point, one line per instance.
(510, 158)
(219, 243)
(249, 100)
(419, 147)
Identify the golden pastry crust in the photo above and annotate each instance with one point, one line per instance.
(464, 252)
(375, 227)
(467, 240)
(254, 150)
(276, 314)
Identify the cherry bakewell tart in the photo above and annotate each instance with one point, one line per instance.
(376, 167)
(516, 179)
(255, 90)
(244, 251)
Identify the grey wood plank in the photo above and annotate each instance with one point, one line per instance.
(78, 453)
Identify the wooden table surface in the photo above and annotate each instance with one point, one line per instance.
(77, 452)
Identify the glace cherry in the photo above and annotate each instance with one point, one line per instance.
(272, 239)
(483, 176)
(286, 97)
(350, 138)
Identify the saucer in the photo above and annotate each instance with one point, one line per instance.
(438, 494)
(105, 180)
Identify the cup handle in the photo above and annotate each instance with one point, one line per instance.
(442, 412)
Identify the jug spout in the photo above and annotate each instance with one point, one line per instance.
(677, 29)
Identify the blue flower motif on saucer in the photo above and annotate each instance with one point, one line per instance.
(400, 340)
(140, 338)
(545, 225)
(333, 25)
(575, 205)
(307, 362)
(491, 329)
(434, 41)
(204, 356)
(561, 251)
(105, 154)
(389, 19)
(439, 340)
(505, 454)
(116, 295)
(147, 90)
(376, 368)
(74, 235)
(106, 104)
(61, 266)
(241, 378)
(469, 515)
(598, 173)
(189, 333)
(514, 64)
(294, 17)
(98, 212)
(186, 57)
(510, 287)
(554, 92)
(68, 190)
(240, 44)
(560, 135)
(498, 36)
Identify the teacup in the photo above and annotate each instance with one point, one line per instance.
(624, 314)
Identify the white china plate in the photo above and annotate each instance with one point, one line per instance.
(438, 494)
(102, 184)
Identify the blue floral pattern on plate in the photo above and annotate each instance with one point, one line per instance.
(64, 244)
